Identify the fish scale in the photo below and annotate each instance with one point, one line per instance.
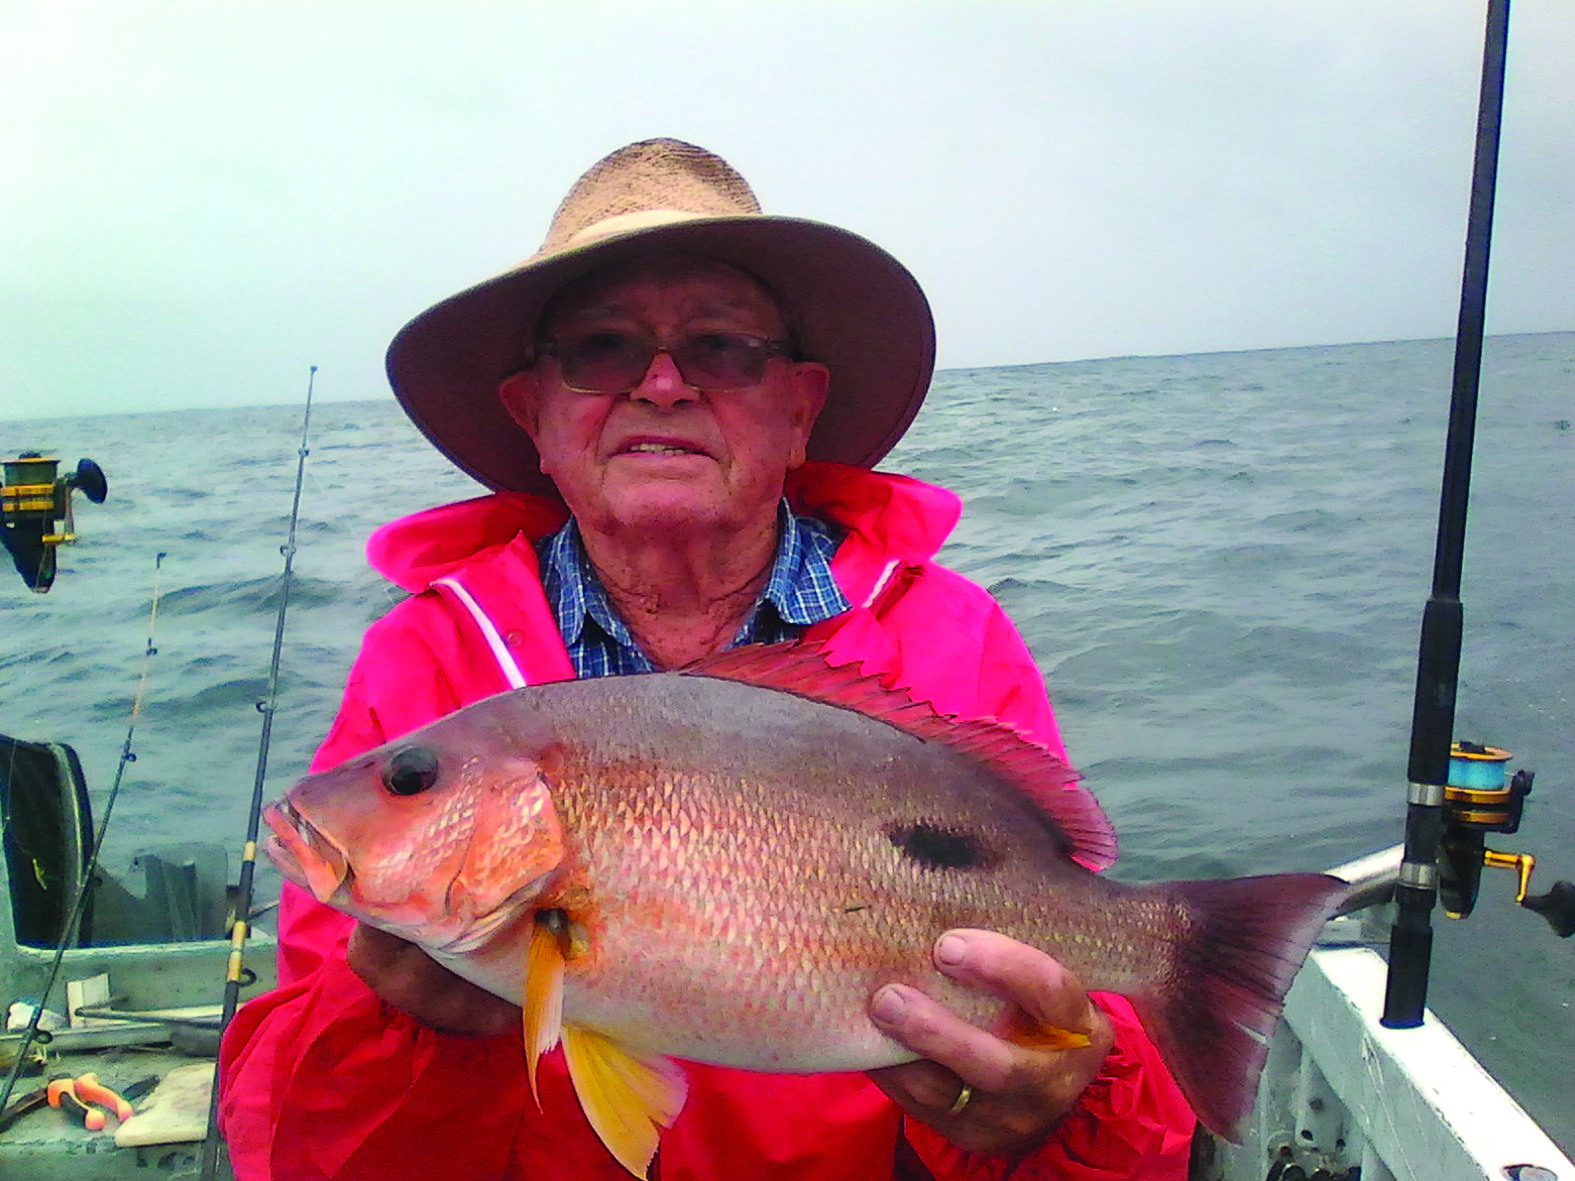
(773, 938)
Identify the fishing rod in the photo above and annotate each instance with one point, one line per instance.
(237, 975)
(1438, 660)
(1447, 815)
(89, 871)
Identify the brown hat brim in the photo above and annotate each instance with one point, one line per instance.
(857, 308)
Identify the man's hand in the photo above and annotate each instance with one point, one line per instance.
(412, 981)
(1016, 1094)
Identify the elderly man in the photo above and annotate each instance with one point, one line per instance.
(678, 400)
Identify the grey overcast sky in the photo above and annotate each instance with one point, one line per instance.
(201, 198)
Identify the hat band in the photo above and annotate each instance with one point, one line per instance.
(624, 223)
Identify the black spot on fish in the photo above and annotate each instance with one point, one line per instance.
(411, 770)
(934, 847)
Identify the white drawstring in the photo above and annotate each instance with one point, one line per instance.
(500, 650)
(880, 583)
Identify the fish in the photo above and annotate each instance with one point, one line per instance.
(723, 864)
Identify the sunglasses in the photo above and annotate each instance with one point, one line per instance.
(609, 362)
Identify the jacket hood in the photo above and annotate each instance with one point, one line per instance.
(415, 550)
(889, 519)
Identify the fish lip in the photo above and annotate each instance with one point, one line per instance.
(304, 853)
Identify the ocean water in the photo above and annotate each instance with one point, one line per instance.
(1218, 560)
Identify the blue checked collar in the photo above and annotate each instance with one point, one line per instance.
(799, 591)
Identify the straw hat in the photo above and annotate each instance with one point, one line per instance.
(856, 309)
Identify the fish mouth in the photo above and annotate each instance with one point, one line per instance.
(304, 854)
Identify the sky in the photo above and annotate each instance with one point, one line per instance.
(200, 199)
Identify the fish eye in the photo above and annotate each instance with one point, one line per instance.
(410, 771)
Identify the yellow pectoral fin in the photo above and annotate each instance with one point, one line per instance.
(628, 1099)
(543, 1001)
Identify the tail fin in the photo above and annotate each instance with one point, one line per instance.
(1213, 1017)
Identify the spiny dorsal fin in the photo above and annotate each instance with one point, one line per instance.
(628, 1099)
(802, 669)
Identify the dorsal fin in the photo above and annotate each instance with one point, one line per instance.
(1047, 781)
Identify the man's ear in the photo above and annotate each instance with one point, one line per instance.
(518, 395)
(811, 383)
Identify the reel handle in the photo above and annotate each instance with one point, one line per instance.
(34, 501)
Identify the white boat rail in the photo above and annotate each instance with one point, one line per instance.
(1343, 1098)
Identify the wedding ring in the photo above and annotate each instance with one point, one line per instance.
(964, 1097)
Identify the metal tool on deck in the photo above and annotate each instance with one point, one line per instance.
(87, 1101)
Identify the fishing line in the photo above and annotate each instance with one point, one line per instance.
(84, 882)
(236, 975)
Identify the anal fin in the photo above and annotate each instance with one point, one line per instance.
(628, 1099)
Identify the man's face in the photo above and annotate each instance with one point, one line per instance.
(667, 454)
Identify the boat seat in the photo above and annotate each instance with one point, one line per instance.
(47, 826)
(187, 892)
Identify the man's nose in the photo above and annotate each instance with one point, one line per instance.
(663, 385)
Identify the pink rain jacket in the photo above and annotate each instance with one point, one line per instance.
(321, 1079)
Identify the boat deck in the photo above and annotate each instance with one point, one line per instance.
(47, 1144)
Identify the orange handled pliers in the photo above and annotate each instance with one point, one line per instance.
(83, 1096)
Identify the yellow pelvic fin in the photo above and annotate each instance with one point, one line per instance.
(628, 1099)
(543, 1000)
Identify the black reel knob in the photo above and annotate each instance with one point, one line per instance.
(89, 480)
(1557, 906)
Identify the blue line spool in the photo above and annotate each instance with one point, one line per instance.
(1481, 768)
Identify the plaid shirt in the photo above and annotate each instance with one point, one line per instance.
(799, 591)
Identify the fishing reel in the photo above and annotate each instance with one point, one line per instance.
(34, 503)
(1481, 798)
